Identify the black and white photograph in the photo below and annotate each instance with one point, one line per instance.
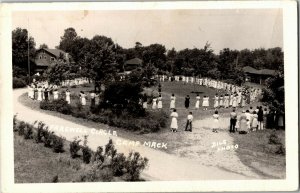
(142, 94)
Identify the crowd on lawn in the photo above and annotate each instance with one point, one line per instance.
(249, 120)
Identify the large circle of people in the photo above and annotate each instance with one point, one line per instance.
(236, 96)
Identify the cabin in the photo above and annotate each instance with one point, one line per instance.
(257, 76)
(47, 57)
(132, 64)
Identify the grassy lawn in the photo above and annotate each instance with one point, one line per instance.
(256, 152)
(35, 163)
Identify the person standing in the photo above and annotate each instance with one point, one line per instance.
(197, 105)
(243, 126)
(159, 103)
(260, 118)
(243, 104)
(215, 122)
(46, 94)
(265, 112)
(68, 98)
(205, 102)
(172, 103)
(154, 103)
(93, 101)
(189, 122)
(221, 104)
(55, 94)
(145, 100)
(254, 123)
(187, 102)
(233, 119)
(231, 100)
(248, 119)
(97, 99)
(234, 101)
(226, 101)
(39, 90)
(174, 124)
(216, 102)
(82, 97)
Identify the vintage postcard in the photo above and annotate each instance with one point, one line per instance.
(149, 96)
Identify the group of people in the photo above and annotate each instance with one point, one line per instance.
(42, 91)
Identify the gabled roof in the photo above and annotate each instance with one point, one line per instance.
(134, 61)
(249, 69)
(55, 52)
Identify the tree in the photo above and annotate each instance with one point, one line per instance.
(43, 46)
(20, 46)
(67, 40)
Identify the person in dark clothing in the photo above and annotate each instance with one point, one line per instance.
(46, 94)
(260, 118)
(233, 118)
(187, 101)
(159, 88)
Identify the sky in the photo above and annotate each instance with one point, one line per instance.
(231, 28)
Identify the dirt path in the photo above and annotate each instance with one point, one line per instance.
(162, 166)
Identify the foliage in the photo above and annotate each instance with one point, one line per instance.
(48, 138)
(273, 139)
(15, 123)
(74, 147)
(28, 131)
(86, 151)
(134, 165)
(58, 144)
(21, 130)
(40, 131)
(19, 82)
(60, 105)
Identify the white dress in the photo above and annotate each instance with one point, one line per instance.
(68, 98)
(221, 102)
(215, 124)
(172, 103)
(231, 100)
(154, 104)
(159, 103)
(55, 95)
(205, 102)
(216, 103)
(174, 124)
(83, 100)
(234, 101)
(197, 105)
(226, 101)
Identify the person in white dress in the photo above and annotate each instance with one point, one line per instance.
(205, 102)
(226, 101)
(174, 124)
(39, 98)
(216, 103)
(215, 124)
(221, 103)
(231, 100)
(197, 105)
(172, 102)
(154, 103)
(68, 98)
(145, 101)
(234, 101)
(159, 103)
(83, 99)
(55, 94)
(254, 122)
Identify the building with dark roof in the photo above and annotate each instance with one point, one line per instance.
(257, 76)
(132, 64)
(47, 57)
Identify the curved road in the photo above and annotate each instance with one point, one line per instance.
(162, 166)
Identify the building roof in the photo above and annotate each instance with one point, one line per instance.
(249, 69)
(55, 52)
(134, 61)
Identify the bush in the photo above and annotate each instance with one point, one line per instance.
(58, 144)
(15, 123)
(99, 154)
(273, 139)
(106, 175)
(21, 129)
(39, 135)
(18, 82)
(86, 154)
(60, 105)
(281, 150)
(28, 131)
(134, 165)
(48, 138)
(74, 147)
(118, 164)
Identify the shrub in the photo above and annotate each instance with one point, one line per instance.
(118, 164)
(60, 105)
(99, 154)
(281, 150)
(74, 147)
(110, 149)
(106, 175)
(273, 139)
(39, 134)
(18, 82)
(86, 154)
(134, 165)
(58, 144)
(48, 138)
(28, 131)
(21, 129)
(54, 179)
